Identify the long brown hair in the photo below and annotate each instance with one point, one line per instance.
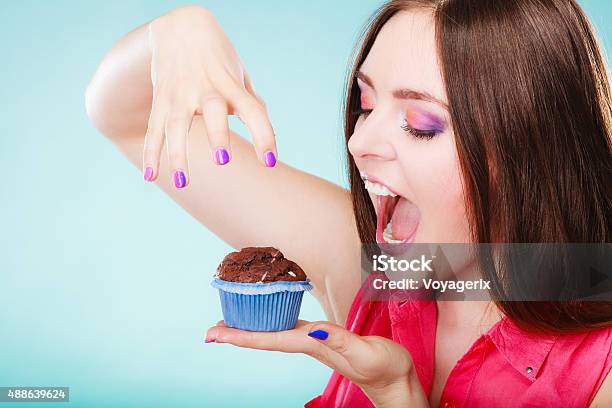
(531, 111)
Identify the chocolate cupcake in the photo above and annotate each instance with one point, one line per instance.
(260, 289)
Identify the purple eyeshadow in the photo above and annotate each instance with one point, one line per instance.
(423, 120)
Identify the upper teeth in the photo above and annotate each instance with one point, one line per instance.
(378, 189)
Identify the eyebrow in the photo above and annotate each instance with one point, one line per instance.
(405, 93)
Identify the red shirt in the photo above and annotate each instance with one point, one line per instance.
(505, 367)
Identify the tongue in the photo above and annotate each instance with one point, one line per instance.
(405, 219)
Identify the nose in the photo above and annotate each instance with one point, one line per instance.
(369, 141)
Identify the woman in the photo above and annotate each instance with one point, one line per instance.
(491, 120)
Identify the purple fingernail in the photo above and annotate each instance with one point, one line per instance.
(148, 174)
(209, 341)
(319, 334)
(221, 156)
(179, 179)
(270, 159)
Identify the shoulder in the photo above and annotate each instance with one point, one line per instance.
(571, 368)
(591, 352)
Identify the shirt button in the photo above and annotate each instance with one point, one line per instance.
(529, 370)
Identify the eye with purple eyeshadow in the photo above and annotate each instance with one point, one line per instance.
(422, 124)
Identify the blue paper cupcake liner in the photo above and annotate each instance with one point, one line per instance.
(271, 306)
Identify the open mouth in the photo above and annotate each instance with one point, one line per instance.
(397, 217)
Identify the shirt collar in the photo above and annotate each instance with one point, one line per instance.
(524, 351)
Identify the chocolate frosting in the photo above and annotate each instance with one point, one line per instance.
(259, 264)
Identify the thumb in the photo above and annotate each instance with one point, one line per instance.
(340, 340)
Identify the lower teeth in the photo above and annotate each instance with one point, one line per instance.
(388, 234)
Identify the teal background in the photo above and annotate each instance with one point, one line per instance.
(104, 281)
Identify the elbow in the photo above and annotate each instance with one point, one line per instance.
(93, 108)
(97, 109)
(192, 9)
(90, 105)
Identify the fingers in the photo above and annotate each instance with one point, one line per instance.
(173, 128)
(214, 112)
(288, 341)
(170, 123)
(298, 340)
(253, 113)
(248, 85)
(324, 341)
(177, 127)
(154, 141)
(371, 361)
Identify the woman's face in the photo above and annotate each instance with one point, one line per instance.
(403, 142)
